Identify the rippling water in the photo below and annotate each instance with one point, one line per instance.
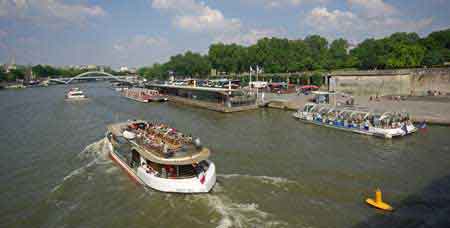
(273, 171)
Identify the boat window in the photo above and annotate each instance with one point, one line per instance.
(121, 140)
(307, 108)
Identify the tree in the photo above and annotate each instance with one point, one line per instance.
(277, 55)
(366, 53)
(406, 56)
(437, 46)
(338, 57)
(319, 51)
(317, 79)
(18, 73)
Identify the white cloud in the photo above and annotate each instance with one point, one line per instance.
(248, 37)
(358, 25)
(285, 3)
(373, 8)
(54, 11)
(196, 17)
(193, 16)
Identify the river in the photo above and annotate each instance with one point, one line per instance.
(273, 171)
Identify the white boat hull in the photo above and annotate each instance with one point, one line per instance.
(76, 98)
(185, 185)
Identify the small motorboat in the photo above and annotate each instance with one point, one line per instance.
(75, 94)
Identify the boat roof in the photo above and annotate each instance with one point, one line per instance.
(212, 89)
(356, 110)
(180, 158)
(322, 92)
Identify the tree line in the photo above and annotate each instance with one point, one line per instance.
(314, 53)
(21, 72)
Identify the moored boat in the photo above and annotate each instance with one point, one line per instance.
(160, 157)
(143, 95)
(385, 125)
(75, 94)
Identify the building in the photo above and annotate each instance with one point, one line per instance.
(217, 99)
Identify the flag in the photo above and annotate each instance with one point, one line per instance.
(202, 179)
(259, 70)
(423, 127)
(251, 69)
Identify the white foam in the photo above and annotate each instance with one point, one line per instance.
(237, 214)
(96, 152)
(264, 179)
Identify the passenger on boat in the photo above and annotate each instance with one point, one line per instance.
(171, 172)
(366, 125)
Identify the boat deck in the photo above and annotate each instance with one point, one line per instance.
(150, 145)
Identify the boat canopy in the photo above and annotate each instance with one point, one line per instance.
(187, 154)
(188, 158)
(358, 114)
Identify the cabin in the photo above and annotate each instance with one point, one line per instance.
(217, 99)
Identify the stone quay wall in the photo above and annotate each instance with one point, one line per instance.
(391, 82)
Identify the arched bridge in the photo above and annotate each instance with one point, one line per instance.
(89, 75)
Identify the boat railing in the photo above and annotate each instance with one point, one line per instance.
(357, 118)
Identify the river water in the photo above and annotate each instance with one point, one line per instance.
(273, 171)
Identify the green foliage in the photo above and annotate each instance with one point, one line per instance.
(189, 64)
(231, 58)
(338, 57)
(18, 73)
(317, 79)
(2, 74)
(437, 46)
(406, 56)
(45, 71)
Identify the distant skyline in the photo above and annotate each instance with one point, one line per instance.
(142, 32)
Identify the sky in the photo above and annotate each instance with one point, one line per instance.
(138, 33)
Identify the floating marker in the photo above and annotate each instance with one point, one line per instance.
(378, 202)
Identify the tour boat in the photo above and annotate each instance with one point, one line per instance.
(143, 95)
(155, 155)
(385, 125)
(75, 94)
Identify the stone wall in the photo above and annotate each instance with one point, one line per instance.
(391, 82)
(434, 79)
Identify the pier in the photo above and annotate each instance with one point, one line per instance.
(216, 99)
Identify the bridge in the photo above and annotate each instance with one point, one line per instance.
(90, 75)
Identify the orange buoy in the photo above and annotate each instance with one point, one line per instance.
(378, 202)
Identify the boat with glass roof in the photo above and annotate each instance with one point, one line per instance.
(357, 120)
(161, 157)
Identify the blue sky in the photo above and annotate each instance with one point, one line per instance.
(141, 32)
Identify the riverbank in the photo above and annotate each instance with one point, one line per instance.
(433, 111)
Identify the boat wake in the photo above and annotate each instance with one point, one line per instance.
(94, 154)
(233, 214)
(277, 181)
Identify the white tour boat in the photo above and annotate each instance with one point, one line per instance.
(75, 94)
(161, 157)
(385, 125)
